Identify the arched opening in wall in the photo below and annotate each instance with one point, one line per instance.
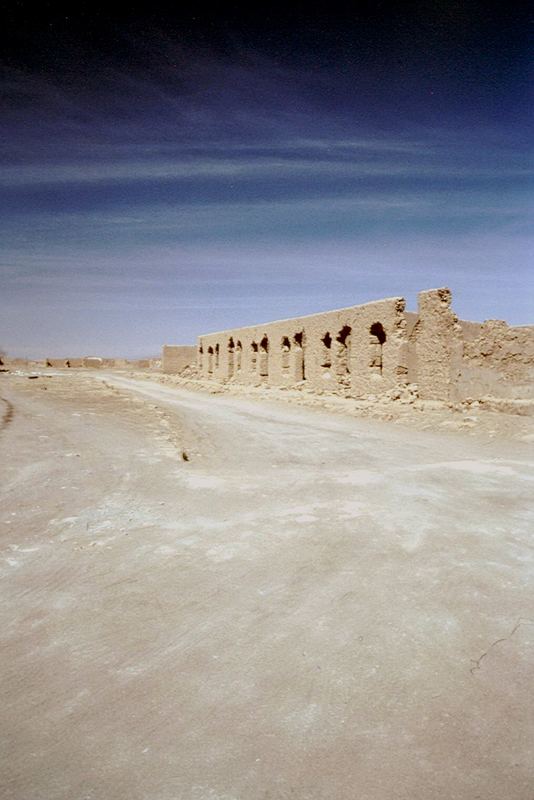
(299, 356)
(376, 343)
(231, 349)
(238, 355)
(210, 360)
(200, 354)
(67, 363)
(254, 356)
(264, 357)
(286, 353)
(343, 342)
(217, 353)
(326, 354)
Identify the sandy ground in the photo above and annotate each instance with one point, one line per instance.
(482, 419)
(311, 606)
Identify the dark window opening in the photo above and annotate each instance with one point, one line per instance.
(231, 348)
(326, 356)
(264, 357)
(343, 334)
(343, 353)
(378, 337)
(300, 363)
(286, 352)
(378, 331)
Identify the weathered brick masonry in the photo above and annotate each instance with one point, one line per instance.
(370, 348)
(177, 356)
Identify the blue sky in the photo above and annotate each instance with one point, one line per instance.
(186, 186)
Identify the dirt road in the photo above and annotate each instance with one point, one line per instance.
(310, 607)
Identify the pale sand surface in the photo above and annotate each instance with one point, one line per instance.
(312, 606)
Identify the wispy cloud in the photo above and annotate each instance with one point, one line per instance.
(248, 189)
(258, 168)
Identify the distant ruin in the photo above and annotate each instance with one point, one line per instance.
(87, 362)
(372, 348)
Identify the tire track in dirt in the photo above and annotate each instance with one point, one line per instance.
(8, 415)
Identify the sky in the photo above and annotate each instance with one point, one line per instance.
(166, 173)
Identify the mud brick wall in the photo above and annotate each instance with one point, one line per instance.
(93, 361)
(435, 346)
(371, 348)
(497, 360)
(176, 357)
(64, 362)
(380, 347)
(347, 351)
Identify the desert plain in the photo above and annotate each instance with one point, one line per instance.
(213, 595)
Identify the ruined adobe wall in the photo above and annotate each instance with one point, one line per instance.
(60, 363)
(497, 360)
(372, 348)
(280, 353)
(175, 357)
(435, 346)
(380, 347)
(358, 349)
(94, 362)
(20, 363)
(452, 359)
(56, 363)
